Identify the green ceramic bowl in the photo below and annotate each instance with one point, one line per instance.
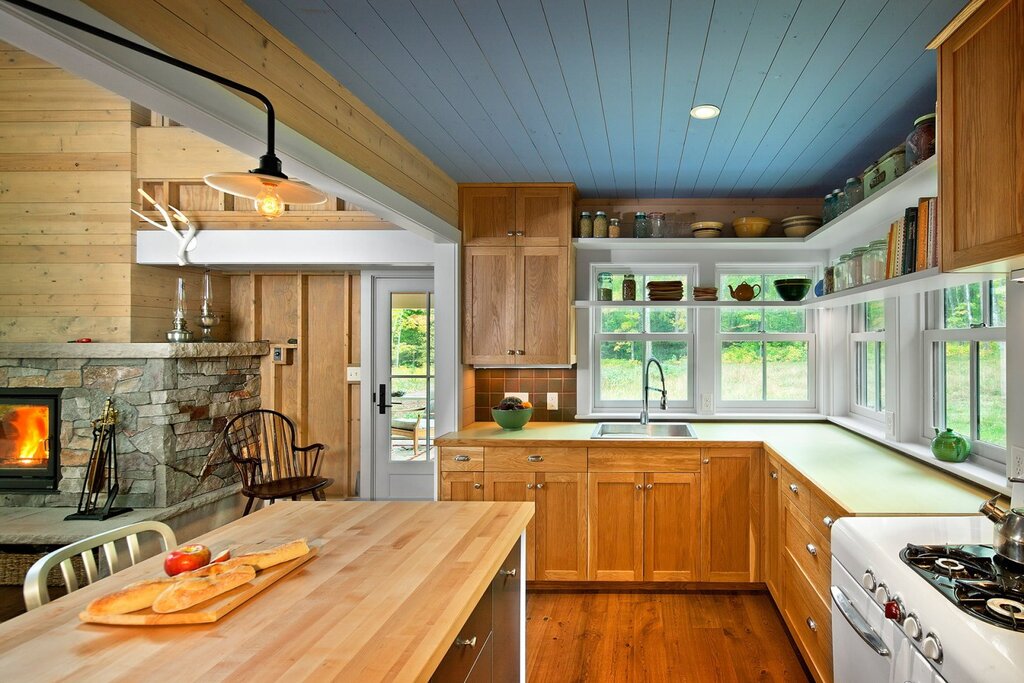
(792, 290)
(512, 420)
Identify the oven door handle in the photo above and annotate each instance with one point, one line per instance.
(858, 622)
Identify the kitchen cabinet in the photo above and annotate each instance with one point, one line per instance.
(462, 486)
(537, 215)
(517, 307)
(771, 557)
(517, 487)
(561, 526)
(672, 505)
(980, 148)
(615, 524)
(730, 497)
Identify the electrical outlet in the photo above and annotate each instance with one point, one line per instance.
(1017, 463)
(707, 403)
(552, 400)
(890, 424)
(354, 373)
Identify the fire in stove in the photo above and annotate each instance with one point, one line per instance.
(24, 438)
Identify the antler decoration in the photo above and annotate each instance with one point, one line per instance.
(186, 238)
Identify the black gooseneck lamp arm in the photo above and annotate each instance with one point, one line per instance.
(269, 163)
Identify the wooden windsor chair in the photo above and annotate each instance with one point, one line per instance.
(261, 443)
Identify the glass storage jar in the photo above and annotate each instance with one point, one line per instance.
(657, 219)
(586, 224)
(600, 224)
(854, 190)
(842, 273)
(856, 266)
(842, 204)
(641, 226)
(873, 267)
(614, 229)
(628, 287)
(921, 141)
(829, 207)
(829, 281)
(604, 286)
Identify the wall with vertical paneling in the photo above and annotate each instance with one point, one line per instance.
(321, 312)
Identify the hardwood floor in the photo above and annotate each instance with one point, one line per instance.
(625, 637)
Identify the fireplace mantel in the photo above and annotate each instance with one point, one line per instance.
(156, 350)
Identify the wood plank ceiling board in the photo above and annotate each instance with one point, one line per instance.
(598, 92)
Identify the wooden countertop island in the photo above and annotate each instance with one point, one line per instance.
(393, 584)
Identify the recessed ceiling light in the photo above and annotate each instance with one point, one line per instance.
(705, 111)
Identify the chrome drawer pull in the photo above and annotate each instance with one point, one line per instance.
(794, 488)
(461, 458)
(773, 474)
(812, 624)
(535, 458)
(828, 521)
(507, 572)
(465, 642)
(858, 622)
(811, 549)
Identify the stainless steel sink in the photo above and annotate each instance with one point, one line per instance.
(653, 430)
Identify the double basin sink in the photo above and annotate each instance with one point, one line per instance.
(635, 430)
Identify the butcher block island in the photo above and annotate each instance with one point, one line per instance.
(399, 591)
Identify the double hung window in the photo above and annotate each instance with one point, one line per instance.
(867, 338)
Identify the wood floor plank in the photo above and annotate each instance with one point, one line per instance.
(650, 637)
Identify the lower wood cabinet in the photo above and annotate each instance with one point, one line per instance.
(519, 487)
(771, 565)
(730, 505)
(462, 485)
(615, 526)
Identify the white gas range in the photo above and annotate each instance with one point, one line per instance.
(926, 637)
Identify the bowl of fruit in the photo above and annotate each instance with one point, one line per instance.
(512, 413)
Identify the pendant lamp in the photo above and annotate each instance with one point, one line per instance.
(268, 187)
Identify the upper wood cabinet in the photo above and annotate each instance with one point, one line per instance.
(980, 146)
(545, 310)
(730, 496)
(491, 305)
(538, 215)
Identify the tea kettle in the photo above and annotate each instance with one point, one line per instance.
(1008, 534)
(744, 291)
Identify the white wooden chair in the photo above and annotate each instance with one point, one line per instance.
(36, 591)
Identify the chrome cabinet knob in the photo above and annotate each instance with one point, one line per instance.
(519, 233)
(639, 487)
(520, 352)
(465, 642)
(812, 550)
(478, 486)
(773, 474)
(529, 486)
(540, 486)
(650, 486)
(511, 352)
(828, 521)
(932, 648)
(461, 458)
(912, 626)
(706, 461)
(507, 572)
(511, 233)
(794, 488)
(812, 624)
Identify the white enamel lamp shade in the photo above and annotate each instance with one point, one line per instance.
(249, 185)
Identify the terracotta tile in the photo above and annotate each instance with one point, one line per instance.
(483, 414)
(512, 384)
(541, 373)
(526, 373)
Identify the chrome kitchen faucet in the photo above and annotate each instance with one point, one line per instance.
(645, 412)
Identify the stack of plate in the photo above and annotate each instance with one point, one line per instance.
(705, 293)
(800, 226)
(706, 228)
(666, 290)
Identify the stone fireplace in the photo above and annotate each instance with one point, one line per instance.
(29, 439)
(172, 401)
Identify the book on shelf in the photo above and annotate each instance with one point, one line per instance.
(914, 240)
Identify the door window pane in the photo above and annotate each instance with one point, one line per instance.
(955, 361)
(992, 392)
(742, 371)
(412, 376)
(786, 370)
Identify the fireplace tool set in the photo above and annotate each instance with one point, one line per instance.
(101, 476)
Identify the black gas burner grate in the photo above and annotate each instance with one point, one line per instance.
(973, 578)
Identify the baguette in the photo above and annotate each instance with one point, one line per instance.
(268, 558)
(189, 592)
(133, 597)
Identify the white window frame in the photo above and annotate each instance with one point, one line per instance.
(675, 405)
(809, 336)
(858, 336)
(994, 457)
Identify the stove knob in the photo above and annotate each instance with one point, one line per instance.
(868, 580)
(912, 626)
(894, 609)
(932, 648)
(882, 594)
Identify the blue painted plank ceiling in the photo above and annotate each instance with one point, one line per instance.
(598, 92)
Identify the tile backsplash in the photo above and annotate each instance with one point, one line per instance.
(493, 384)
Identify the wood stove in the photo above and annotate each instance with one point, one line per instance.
(29, 439)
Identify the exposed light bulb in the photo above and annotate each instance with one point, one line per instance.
(705, 111)
(268, 202)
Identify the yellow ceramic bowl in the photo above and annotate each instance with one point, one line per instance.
(750, 230)
(706, 225)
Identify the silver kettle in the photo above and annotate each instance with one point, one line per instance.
(1008, 534)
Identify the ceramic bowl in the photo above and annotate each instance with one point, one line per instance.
(512, 420)
(707, 232)
(792, 289)
(800, 230)
(750, 230)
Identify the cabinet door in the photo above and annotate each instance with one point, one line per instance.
(772, 553)
(516, 487)
(489, 306)
(543, 216)
(462, 486)
(487, 215)
(615, 525)
(729, 486)
(561, 526)
(980, 146)
(507, 593)
(671, 526)
(542, 319)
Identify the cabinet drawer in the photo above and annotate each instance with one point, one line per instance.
(518, 459)
(795, 491)
(824, 513)
(652, 459)
(462, 459)
(808, 550)
(810, 621)
(468, 645)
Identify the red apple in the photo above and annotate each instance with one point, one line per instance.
(186, 558)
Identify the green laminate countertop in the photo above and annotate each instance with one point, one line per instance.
(862, 476)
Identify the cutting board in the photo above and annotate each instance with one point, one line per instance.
(211, 610)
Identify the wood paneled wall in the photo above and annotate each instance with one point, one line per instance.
(228, 37)
(67, 242)
(321, 311)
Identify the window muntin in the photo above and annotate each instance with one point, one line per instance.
(627, 337)
(967, 380)
(765, 354)
(867, 340)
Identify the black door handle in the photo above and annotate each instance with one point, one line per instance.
(381, 405)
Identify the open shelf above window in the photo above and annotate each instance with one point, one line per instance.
(687, 303)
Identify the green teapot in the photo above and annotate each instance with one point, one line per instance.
(949, 446)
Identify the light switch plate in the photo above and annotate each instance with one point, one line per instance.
(552, 400)
(355, 373)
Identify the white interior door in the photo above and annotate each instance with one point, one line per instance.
(403, 388)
